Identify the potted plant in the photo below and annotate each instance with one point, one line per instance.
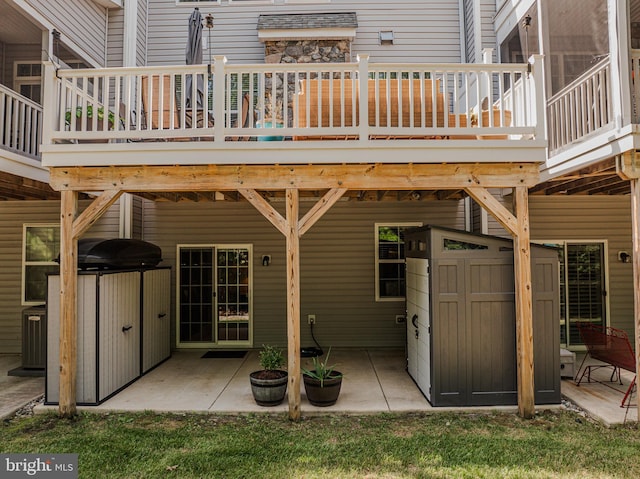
(322, 383)
(89, 111)
(269, 385)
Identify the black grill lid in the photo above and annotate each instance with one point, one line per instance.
(117, 253)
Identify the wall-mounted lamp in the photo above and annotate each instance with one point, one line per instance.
(386, 37)
(266, 260)
(624, 257)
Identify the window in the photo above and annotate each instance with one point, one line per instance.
(40, 248)
(27, 77)
(582, 287)
(390, 266)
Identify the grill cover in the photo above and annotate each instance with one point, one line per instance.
(117, 253)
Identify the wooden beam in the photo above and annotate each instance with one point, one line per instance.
(524, 304)
(320, 208)
(307, 177)
(68, 305)
(292, 234)
(93, 212)
(493, 206)
(635, 236)
(267, 210)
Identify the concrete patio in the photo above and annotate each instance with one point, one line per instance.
(375, 381)
(15, 391)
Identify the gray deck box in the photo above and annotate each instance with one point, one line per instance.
(461, 326)
(123, 331)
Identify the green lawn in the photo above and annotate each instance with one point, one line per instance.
(555, 444)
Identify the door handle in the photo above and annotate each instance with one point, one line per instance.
(126, 328)
(162, 315)
(414, 320)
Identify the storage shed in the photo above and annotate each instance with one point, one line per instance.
(461, 326)
(123, 330)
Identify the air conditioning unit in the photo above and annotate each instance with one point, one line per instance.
(34, 338)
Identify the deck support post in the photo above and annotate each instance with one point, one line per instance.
(292, 227)
(518, 226)
(72, 226)
(68, 304)
(635, 235)
(293, 302)
(524, 304)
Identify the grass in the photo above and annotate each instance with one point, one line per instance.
(149, 445)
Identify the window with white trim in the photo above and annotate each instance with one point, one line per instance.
(27, 79)
(40, 248)
(390, 265)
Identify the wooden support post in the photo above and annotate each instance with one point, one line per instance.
(293, 303)
(635, 235)
(524, 304)
(68, 304)
(518, 226)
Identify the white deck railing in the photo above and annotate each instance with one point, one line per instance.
(20, 123)
(299, 102)
(581, 108)
(635, 86)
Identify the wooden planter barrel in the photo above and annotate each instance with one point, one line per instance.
(325, 394)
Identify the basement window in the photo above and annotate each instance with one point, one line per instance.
(390, 261)
(40, 248)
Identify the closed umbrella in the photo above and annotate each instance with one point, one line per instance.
(194, 57)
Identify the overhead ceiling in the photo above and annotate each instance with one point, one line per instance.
(15, 27)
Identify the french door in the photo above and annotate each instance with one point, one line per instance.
(214, 285)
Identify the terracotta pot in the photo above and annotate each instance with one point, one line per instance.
(325, 395)
(268, 391)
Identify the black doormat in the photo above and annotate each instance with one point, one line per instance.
(224, 354)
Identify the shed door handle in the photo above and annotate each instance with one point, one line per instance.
(162, 315)
(126, 328)
(414, 320)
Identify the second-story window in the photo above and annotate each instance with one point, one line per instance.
(27, 79)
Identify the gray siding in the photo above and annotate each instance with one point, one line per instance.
(81, 21)
(424, 31)
(469, 31)
(115, 38)
(141, 37)
(337, 263)
(487, 12)
(13, 215)
(593, 218)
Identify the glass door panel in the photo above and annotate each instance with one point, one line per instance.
(196, 295)
(233, 298)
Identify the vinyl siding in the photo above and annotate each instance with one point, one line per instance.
(141, 37)
(487, 12)
(424, 31)
(115, 38)
(337, 263)
(13, 215)
(81, 21)
(593, 218)
(469, 31)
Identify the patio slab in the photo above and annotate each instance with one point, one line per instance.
(601, 400)
(16, 391)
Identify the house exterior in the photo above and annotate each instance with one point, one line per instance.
(451, 128)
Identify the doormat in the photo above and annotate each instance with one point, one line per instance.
(224, 354)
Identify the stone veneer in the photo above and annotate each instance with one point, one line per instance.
(307, 51)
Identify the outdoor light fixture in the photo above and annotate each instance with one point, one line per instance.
(56, 43)
(266, 260)
(624, 257)
(209, 24)
(526, 23)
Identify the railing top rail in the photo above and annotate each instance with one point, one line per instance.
(601, 65)
(286, 67)
(23, 99)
